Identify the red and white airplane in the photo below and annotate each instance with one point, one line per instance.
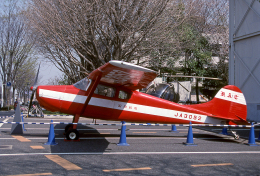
(110, 93)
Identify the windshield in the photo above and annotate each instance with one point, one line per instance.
(157, 91)
(83, 84)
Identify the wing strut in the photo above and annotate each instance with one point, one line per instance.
(89, 95)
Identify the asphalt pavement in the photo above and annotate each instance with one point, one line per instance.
(152, 150)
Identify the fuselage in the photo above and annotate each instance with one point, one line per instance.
(118, 104)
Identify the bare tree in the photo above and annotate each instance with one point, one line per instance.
(79, 36)
(26, 77)
(15, 45)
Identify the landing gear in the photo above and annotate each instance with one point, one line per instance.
(236, 136)
(234, 133)
(70, 126)
(71, 131)
(72, 134)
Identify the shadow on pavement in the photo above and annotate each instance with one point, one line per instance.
(98, 145)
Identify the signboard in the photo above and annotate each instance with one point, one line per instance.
(8, 84)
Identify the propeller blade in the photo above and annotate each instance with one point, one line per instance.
(30, 105)
(36, 79)
(33, 90)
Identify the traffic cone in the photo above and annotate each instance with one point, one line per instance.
(174, 129)
(189, 141)
(17, 128)
(51, 137)
(224, 131)
(122, 141)
(251, 139)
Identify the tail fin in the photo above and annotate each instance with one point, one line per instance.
(229, 103)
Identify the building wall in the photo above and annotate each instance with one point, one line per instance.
(244, 56)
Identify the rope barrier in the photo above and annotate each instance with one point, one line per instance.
(4, 117)
(130, 124)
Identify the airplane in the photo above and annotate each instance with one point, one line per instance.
(111, 93)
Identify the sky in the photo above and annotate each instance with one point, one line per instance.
(48, 71)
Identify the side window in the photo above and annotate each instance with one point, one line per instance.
(172, 94)
(167, 94)
(105, 91)
(123, 95)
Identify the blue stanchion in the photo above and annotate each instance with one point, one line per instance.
(51, 136)
(122, 141)
(251, 139)
(23, 121)
(224, 131)
(174, 129)
(189, 141)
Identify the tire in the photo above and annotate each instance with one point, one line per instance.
(72, 134)
(68, 127)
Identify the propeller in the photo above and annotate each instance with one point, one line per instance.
(33, 88)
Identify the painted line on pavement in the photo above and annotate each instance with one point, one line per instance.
(128, 169)
(97, 133)
(3, 123)
(31, 174)
(63, 162)
(37, 147)
(236, 129)
(21, 138)
(131, 153)
(144, 132)
(205, 165)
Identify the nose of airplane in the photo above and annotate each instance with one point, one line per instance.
(31, 88)
(49, 97)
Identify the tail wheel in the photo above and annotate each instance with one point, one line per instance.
(72, 134)
(236, 137)
(68, 127)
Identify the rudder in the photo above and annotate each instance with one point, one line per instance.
(230, 102)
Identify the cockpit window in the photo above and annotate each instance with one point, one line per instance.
(123, 95)
(105, 90)
(157, 91)
(83, 84)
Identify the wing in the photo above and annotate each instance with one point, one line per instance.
(121, 73)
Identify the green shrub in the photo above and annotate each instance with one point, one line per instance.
(6, 108)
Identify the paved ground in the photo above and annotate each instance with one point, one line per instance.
(151, 151)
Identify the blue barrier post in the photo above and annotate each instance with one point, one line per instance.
(51, 137)
(251, 139)
(189, 141)
(23, 121)
(174, 129)
(224, 131)
(122, 141)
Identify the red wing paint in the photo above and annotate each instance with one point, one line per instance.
(229, 104)
(125, 74)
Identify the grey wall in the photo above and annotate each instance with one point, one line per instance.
(244, 55)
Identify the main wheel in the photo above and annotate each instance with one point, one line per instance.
(236, 137)
(68, 127)
(72, 134)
